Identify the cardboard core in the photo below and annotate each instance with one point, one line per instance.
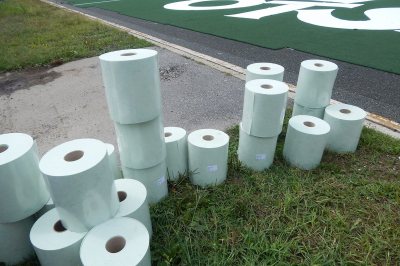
(318, 65)
(266, 86)
(115, 244)
(167, 134)
(265, 68)
(73, 156)
(128, 54)
(208, 137)
(59, 227)
(309, 124)
(345, 111)
(121, 196)
(3, 148)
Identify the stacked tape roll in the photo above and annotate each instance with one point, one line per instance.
(133, 201)
(153, 178)
(264, 71)
(47, 207)
(81, 183)
(305, 141)
(208, 157)
(301, 110)
(141, 145)
(346, 123)
(113, 161)
(315, 83)
(15, 246)
(22, 187)
(132, 83)
(53, 243)
(264, 107)
(255, 152)
(120, 241)
(176, 145)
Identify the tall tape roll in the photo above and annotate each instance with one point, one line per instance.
(264, 107)
(53, 243)
(346, 123)
(176, 145)
(153, 178)
(132, 82)
(141, 145)
(305, 141)
(264, 71)
(81, 183)
(132, 195)
(255, 152)
(208, 157)
(15, 246)
(22, 187)
(315, 83)
(120, 241)
(113, 161)
(301, 110)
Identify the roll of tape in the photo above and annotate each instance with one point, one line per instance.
(264, 71)
(120, 241)
(346, 123)
(176, 145)
(113, 161)
(22, 187)
(208, 157)
(132, 82)
(305, 141)
(301, 110)
(264, 107)
(81, 183)
(53, 243)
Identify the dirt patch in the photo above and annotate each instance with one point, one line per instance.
(171, 72)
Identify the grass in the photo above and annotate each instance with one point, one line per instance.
(33, 33)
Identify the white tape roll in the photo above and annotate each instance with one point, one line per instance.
(81, 183)
(141, 145)
(176, 145)
(22, 188)
(305, 141)
(53, 243)
(15, 246)
(264, 107)
(301, 110)
(120, 241)
(254, 152)
(113, 161)
(346, 123)
(153, 178)
(264, 71)
(315, 83)
(132, 82)
(133, 201)
(208, 157)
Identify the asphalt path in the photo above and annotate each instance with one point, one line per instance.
(373, 90)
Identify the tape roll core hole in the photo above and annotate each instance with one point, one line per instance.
(318, 65)
(74, 156)
(115, 244)
(167, 134)
(59, 227)
(3, 148)
(265, 68)
(309, 124)
(208, 137)
(128, 54)
(122, 196)
(345, 111)
(267, 86)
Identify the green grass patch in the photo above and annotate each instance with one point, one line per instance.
(33, 33)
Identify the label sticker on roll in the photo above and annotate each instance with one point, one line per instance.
(161, 180)
(212, 168)
(261, 157)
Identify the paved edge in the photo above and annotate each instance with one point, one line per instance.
(375, 121)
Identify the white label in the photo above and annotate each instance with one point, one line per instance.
(212, 168)
(260, 157)
(161, 180)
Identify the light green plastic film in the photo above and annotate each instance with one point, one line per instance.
(301, 110)
(346, 123)
(254, 152)
(264, 71)
(208, 157)
(176, 145)
(113, 161)
(305, 141)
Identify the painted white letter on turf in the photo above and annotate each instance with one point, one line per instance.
(186, 5)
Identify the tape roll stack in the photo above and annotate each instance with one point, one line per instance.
(113, 161)
(208, 157)
(264, 71)
(346, 123)
(305, 141)
(314, 87)
(176, 144)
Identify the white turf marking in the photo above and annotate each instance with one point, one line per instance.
(83, 4)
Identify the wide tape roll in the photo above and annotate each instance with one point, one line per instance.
(22, 187)
(264, 71)
(15, 246)
(153, 178)
(315, 83)
(305, 141)
(53, 243)
(113, 161)
(120, 241)
(301, 110)
(208, 157)
(264, 107)
(176, 145)
(47, 207)
(132, 82)
(81, 183)
(141, 145)
(255, 152)
(132, 196)
(346, 123)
